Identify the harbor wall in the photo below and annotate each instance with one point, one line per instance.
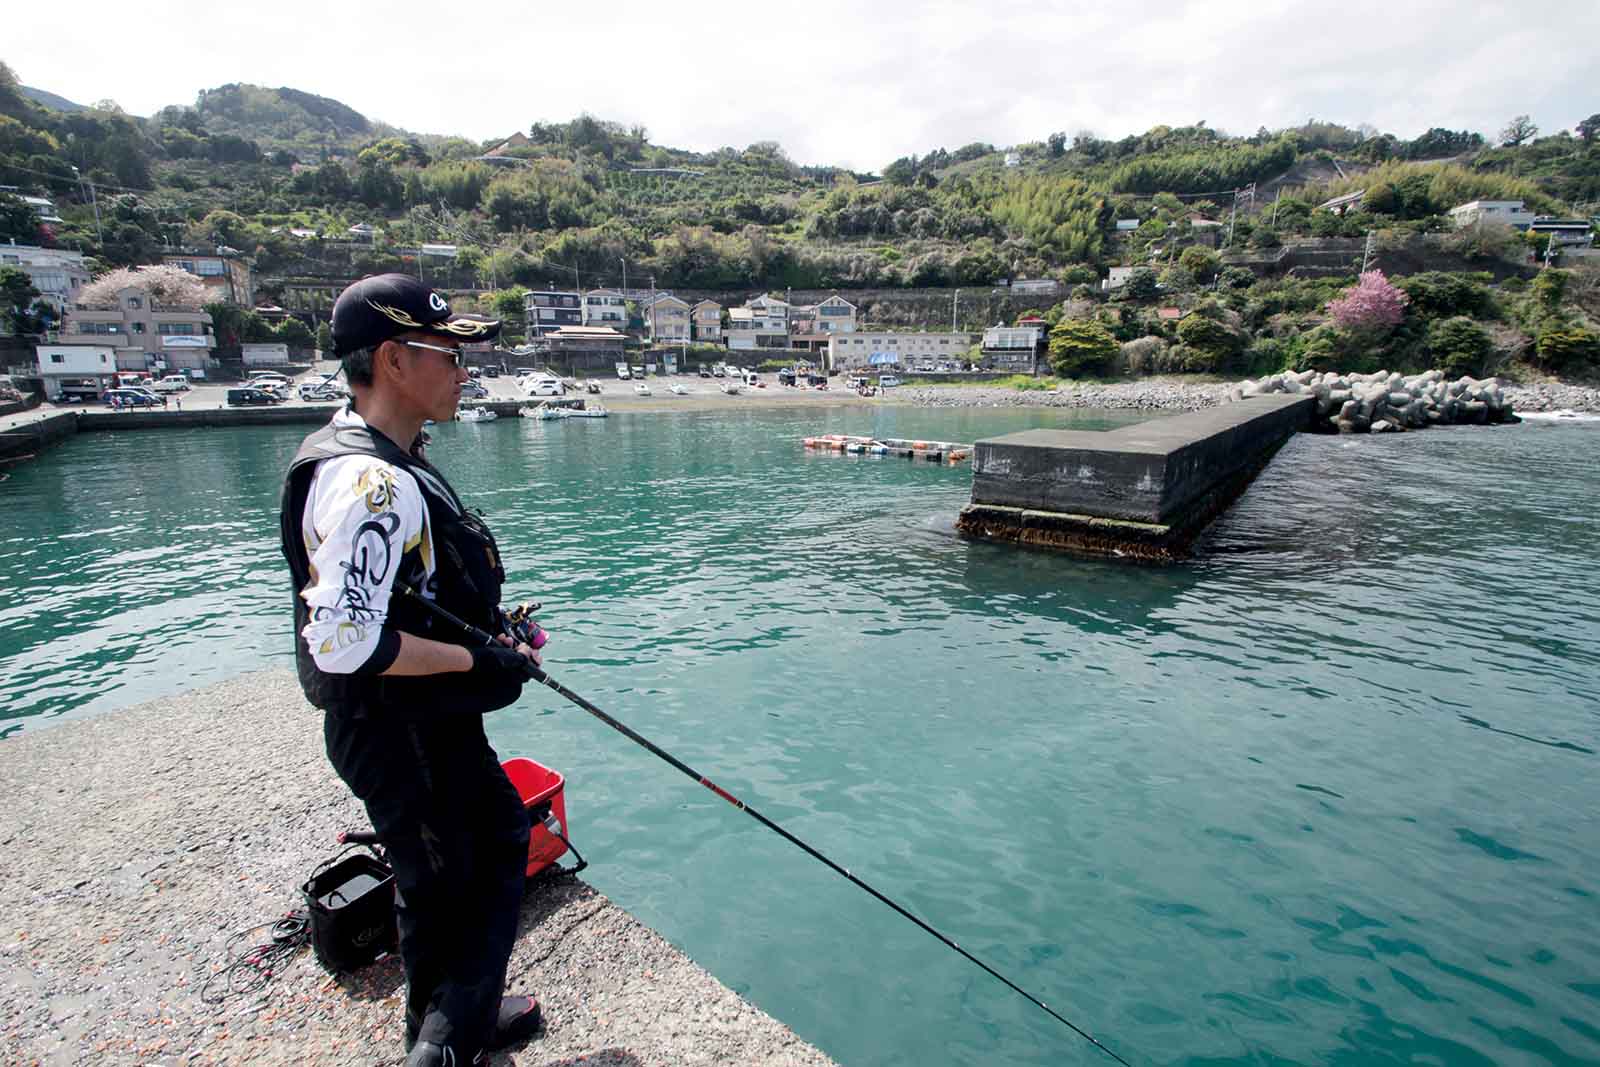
(1144, 490)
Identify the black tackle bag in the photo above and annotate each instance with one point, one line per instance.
(350, 904)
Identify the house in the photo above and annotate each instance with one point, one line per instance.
(1013, 348)
(1127, 225)
(1513, 213)
(1013, 159)
(548, 310)
(79, 372)
(866, 348)
(265, 354)
(762, 323)
(605, 307)
(56, 273)
(705, 323)
(271, 313)
(834, 315)
(1117, 278)
(226, 275)
(666, 319)
(587, 348)
(1564, 233)
(146, 336)
(1341, 204)
(361, 231)
(43, 209)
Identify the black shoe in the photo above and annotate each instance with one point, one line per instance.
(427, 1054)
(520, 1018)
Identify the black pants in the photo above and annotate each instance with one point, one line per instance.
(456, 834)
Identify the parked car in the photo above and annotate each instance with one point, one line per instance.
(131, 398)
(545, 387)
(888, 381)
(250, 397)
(473, 390)
(320, 391)
(259, 377)
(172, 383)
(491, 372)
(474, 372)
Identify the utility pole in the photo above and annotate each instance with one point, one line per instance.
(1366, 254)
(1232, 211)
(652, 309)
(954, 298)
(624, 281)
(93, 200)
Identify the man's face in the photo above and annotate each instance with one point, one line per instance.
(429, 379)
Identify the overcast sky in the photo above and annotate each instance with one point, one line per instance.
(853, 85)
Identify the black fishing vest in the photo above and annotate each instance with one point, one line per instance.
(466, 582)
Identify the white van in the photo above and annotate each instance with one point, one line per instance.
(545, 387)
(888, 381)
(172, 383)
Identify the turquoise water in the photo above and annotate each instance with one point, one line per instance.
(1324, 795)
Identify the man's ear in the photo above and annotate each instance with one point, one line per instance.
(386, 359)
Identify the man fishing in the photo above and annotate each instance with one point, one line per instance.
(368, 526)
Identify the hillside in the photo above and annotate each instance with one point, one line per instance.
(246, 164)
(50, 100)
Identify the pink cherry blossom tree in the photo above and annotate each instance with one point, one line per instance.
(1371, 305)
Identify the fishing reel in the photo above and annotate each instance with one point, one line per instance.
(523, 628)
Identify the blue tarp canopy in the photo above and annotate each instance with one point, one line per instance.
(878, 358)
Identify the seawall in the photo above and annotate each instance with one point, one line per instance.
(138, 841)
(1144, 491)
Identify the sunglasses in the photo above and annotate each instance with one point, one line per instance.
(453, 353)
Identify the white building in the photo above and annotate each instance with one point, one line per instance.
(761, 323)
(79, 371)
(55, 272)
(605, 307)
(267, 354)
(1513, 213)
(147, 336)
(865, 348)
(1117, 278)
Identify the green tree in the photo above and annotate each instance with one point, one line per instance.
(17, 221)
(324, 337)
(1142, 284)
(1458, 345)
(25, 313)
(1202, 262)
(294, 333)
(1568, 348)
(1210, 344)
(1080, 347)
(510, 306)
(1588, 130)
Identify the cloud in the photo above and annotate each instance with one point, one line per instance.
(839, 83)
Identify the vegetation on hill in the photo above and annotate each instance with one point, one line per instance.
(584, 200)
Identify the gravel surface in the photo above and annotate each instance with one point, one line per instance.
(137, 842)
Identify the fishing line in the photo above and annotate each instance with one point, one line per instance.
(539, 675)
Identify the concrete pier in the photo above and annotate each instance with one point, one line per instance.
(1142, 491)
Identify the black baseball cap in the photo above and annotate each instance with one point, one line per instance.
(386, 305)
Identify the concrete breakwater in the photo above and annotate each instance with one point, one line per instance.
(1143, 491)
(139, 841)
(1386, 402)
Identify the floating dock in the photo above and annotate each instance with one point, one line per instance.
(1144, 491)
(853, 445)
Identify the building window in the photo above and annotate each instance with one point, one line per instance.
(138, 327)
(177, 329)
(56, 357)
(211, 268)
(99, 327)
(135, 303)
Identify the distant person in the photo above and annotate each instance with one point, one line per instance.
(403, 698)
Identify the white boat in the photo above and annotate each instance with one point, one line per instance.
(678, 390)
(642, 389)
(731, 388)
(588, 411)
(542, 411)
(477, 415)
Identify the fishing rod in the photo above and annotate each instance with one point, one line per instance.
(538, 674)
